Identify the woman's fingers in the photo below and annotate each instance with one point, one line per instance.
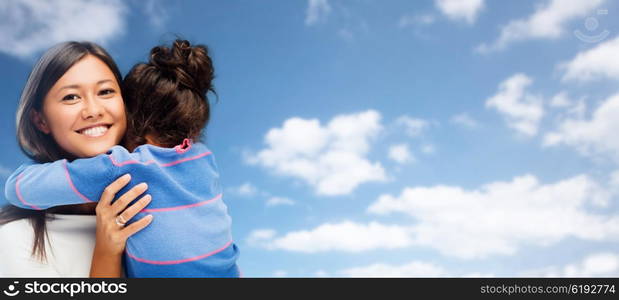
(137, 226)
(124, 200)
(135, 208)
(110, 192)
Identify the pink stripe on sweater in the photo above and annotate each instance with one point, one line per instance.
(180, 261)
(66, 172)
(19, 196)
(182, 206)
(185, 159)
(129, 162)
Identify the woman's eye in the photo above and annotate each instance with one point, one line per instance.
(106, 92)
(70, 97)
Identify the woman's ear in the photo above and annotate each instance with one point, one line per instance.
(39, 121)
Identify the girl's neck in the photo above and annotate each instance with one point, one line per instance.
(132, 144)
(151, 140)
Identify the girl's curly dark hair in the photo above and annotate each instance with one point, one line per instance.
(166, 98)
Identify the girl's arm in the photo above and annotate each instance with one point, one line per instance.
(40, 186)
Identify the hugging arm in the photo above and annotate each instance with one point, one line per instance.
(41, 186)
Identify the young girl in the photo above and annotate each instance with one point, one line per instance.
(167, 108)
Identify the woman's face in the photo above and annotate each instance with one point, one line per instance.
(84, 110)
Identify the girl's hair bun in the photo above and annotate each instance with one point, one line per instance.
(167, 96)
(190, 66)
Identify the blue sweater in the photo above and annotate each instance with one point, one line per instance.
(190, 235)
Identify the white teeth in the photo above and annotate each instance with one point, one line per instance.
(95, 131)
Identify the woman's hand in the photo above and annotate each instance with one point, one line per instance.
(112, 234)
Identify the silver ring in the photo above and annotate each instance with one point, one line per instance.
(120, 221)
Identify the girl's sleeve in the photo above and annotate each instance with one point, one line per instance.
(40, 186)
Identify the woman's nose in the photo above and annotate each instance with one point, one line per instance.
(92, 109)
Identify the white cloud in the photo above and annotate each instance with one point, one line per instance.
(345, 236)
(591, 137)
(477, 275)
(280, 273)
(412, 126)
(411, 269)
(345, 34)
(275, 201)
(156, 13)
(330, 158)
(464, 10)
(5, 172)
(614, 179)
(603, 264)
(596, 265)
(321, 273)
(410, 20)
(521, 110)
(27, 27)
(500, 217)
(567, 108)
(317, 10)
(428, 149)
(401, 154)
(465, 121)
(246, 190)
(547, 22)
(598, 62)
(560, 100)
(259, 236)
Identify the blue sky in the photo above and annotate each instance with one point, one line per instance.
(368, 138)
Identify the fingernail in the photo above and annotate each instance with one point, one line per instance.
(144, 185)
(147, 197)
(127, 176)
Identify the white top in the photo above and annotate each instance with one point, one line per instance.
(69, 247)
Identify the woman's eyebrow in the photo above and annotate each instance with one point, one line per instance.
(72, 86)
(104, 81)
(76, 86)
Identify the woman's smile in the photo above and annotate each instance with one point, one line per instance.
(94, 131)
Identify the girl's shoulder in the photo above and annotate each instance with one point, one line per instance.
(187, 147)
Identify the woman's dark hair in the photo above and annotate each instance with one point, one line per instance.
(35, 144)
(166, 97)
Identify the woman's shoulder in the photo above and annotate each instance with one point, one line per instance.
(16, 238)
(16, 258)
(15, 231)
(69, 244)
(56, 222)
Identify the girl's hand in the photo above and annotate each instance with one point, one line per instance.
(112, 234)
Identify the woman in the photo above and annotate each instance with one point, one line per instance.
(71, 107)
